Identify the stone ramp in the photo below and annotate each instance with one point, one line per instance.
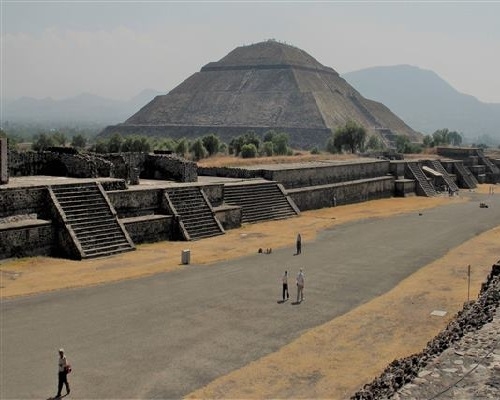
(413, 171)
(260, 201)
(196, 217)
(90, 220)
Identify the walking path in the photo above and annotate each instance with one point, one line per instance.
(168, 334)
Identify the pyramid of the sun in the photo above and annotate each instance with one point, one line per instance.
(263, 86)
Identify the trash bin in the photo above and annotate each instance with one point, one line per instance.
(186, 256)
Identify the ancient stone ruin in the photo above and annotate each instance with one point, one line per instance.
(82, 205)
(471, 318)
(268, 85)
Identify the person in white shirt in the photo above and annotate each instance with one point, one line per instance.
(300, 286)
(285, 285)
(63, 373)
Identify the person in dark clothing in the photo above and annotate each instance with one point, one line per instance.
(299, 244)
(285, 286)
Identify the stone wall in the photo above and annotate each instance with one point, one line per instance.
(342, 193)
(149, 229)
(26, 239)
(71, 163)
(26, 200)
(231, 172)
(459, 153)
(214, 193)
(79, 165)
(136, 203)
(326, 174)
(404, 187)
(228, 216)
(303, 175)
(169, 167)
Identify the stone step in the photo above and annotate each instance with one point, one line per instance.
(196, 215)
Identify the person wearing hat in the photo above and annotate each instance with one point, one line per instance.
(63, 373)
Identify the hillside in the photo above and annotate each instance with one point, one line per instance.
(427, 102)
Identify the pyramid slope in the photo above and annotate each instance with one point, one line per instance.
(264, 86)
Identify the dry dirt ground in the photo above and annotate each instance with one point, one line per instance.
(330, 361)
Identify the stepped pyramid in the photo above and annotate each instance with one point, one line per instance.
(263, 86)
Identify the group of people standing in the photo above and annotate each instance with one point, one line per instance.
(300, 281)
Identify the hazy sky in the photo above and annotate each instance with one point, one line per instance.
(118, 48)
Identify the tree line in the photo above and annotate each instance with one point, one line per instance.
(349, 138)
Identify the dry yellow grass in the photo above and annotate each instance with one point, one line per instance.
(330, 361)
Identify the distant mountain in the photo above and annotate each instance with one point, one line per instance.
(426, 102)
(85, 108)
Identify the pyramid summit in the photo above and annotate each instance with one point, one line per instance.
(259, 87)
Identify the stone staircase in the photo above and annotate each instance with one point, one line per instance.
(491, 168)
(413, 171)
(260, 201)
(91, 219)
(465, 177)
(195, 212)
(438, 167)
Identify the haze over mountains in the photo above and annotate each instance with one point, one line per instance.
(426, 102)
(85, 108)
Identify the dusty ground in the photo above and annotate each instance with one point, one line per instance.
(330, 361)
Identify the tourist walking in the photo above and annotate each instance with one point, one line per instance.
(285, 286)
(64, 369)
(300, 286)
(299, 244)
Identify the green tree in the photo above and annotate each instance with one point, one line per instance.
(349, 137)
(269, 136)
(59, 138)
(165, 144)
(101, 147)
(79, 141)
(198, 150)
(331, 147)
(455, 138)
(403, 145)
(374, 143)
(248, 150)
(267, 149)
(42, 141)
(315, 150)
(441, 137)
(211, 143)
(236, 144)
(280, 143)
(428, 141)
(115, 143)
(182, 147)
(251, 138)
